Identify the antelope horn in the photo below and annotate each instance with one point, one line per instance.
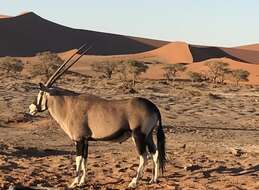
(52, 78)
(64, 70)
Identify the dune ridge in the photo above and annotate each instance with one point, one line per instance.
(28, 34)
(174, 52)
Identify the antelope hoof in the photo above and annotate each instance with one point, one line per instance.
(133, 184)
(81, 183)
(152, 181)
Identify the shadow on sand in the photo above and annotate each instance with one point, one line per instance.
(22, 152)
(233, 171)
(193, 128)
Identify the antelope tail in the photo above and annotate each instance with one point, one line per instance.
(161, 146)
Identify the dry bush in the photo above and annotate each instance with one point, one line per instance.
(107, 68)
(171, 70)
(132, 69)
(240, 75)
(11, 65)
(214, 96)
(47, 65)
(218, 71)
(196, 77)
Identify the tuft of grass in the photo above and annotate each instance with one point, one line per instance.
(214, 96)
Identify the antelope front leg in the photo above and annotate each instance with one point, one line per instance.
(79, 159)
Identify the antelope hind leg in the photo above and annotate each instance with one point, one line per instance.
(154, 157)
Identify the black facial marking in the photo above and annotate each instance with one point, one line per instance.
(38, 105)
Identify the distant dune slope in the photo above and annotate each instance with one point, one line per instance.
(182, 52)
(245, 55)
(253, 47)
(28, 34)
(201, 53)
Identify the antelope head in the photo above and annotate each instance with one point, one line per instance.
(40, 102)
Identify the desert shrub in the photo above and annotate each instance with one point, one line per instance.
(214, 96)
(195, 76)
(171, 70)
(240, 75)
(47, 65)
(107, 68)
(132, 69)
(217, 71)
(11, 65)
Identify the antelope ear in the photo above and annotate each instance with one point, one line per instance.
(43, 87)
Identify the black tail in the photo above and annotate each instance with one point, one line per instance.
(161, 146)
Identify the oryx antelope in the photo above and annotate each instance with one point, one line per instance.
(87, 118)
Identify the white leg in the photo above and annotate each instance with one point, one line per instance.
(142, 162)
(155, 167)
(78, 169)
(82, 180)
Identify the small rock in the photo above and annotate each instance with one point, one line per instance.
(206, 174)
(183, 146)
(237, 152)
(192, 167)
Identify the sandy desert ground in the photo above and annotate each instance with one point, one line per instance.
(212, 138)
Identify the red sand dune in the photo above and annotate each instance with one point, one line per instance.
(201, 53)
(28, 34)
(247, 56)
(180, 52)
(175, 52)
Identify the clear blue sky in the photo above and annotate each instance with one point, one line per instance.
(212, 22)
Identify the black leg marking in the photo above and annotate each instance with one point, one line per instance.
(85, 151)
(140, 141)
(151, 145)
(80, 146)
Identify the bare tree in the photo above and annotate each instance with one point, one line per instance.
(48, 63)
(107, 68)
(121, 68)
(171, 70)
(195, 76)
(135, 68)
(11, 65)
(240, 75)
(217, 71)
